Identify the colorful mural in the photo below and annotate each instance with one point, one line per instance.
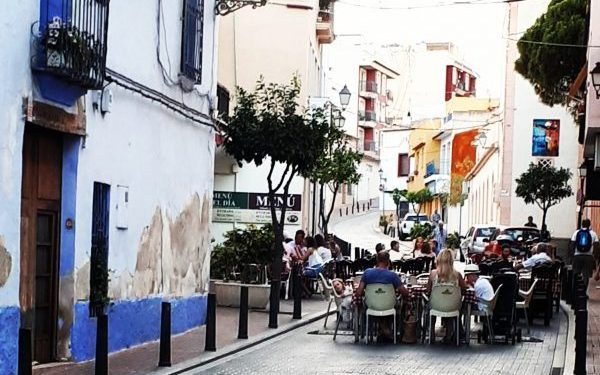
(463, 160)
(545, 137)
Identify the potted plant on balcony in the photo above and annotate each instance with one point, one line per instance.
(241, 260)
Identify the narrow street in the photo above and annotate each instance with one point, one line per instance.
(301, 352)
(362, 231)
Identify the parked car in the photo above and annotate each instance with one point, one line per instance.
(473, 242)
(408, 222)
(517, 237)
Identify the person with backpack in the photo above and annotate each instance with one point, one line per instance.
(583, 242)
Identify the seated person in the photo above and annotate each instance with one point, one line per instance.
(425, 251)
(418, 246)
(336, 252)
(395, 251)
(382, 275)
(323, 248)
(314, 262)
(433, 245)
(379, 248)
(483, 288)
(538, 257)
(506, 253)
(345, 293)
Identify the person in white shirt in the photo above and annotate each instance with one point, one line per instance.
(395, 251)
(322, 248)
(296, 250)
(483, 289)
(539, 257)
(584, 242)
(314, 261)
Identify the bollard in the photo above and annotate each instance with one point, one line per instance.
(101, 365)
(568, 287)
(581, 329)
(346, 210)
(362, 253)
(243, 323)
(211, 324)
(297, 293)
(164, 358)
(25, 355)
(356, 253)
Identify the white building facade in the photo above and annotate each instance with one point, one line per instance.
(106, 183)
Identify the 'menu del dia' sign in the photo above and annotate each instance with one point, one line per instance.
(253, 208)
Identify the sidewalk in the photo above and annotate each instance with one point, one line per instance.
(190, 345)
(593, 341)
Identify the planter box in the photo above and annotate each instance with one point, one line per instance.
(228, 294)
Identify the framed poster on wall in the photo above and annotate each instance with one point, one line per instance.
(545, 138)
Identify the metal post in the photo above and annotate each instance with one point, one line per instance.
(581, 329)
(25, 351)
(211, 324)
(164, 359)
(356, 253)
(297, 293)
(243, 323)
(101, 366)
(568, 286)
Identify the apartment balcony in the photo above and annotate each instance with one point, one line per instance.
(431, 169)
(69, 48)
(437, 183)
(369, 89)
(325, 22)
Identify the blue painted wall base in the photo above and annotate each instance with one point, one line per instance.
(9, 340)
(133, 322)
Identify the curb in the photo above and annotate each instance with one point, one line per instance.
(235, 348)
(568, 360)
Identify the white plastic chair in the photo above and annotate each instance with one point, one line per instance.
(524, 305)
(327, 293)
(445, 302)
(488, 312)
(380, 300)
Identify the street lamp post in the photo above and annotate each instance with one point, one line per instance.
(382, 181)
(582, 175)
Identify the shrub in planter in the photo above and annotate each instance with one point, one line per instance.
(421, 230)
(453, 241)
(242, 248)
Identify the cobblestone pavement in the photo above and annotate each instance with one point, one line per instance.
(302, 353)
(361, 232)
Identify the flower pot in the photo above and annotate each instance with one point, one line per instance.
(228, 294)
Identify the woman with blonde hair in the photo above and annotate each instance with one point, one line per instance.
(445, 273)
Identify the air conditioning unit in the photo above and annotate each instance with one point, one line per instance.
(597, 153)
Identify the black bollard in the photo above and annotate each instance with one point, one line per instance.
(101, 365)
(356, 253)
(297, 293)
(243, 323)
(362, 253)
(581, 324)
(211, 324)
(25, 348)
(164, 359)
(568, 287)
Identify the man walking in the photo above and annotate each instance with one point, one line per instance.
(440, 235)
(436, 217)
(584, 242)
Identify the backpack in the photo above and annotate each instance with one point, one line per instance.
(583, 240)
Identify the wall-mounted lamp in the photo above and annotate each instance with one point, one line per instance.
(595, 73)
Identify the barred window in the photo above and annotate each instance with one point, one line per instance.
(192, 35)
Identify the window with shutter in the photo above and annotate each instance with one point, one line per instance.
(192, 35)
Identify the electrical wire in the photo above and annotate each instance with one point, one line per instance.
(429, 6)
(552, 44)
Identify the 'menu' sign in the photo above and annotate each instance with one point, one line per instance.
(241, 207)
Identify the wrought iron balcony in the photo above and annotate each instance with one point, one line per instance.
(369, 86)
(371, 146)
(71, 43)
(367, 116)
(430, 169)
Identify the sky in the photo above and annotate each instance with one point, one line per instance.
(479, 30)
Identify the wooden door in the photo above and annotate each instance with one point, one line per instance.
(40, 232)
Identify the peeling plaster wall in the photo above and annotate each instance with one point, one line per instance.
(15, 22)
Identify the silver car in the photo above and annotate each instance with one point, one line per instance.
(473, 242)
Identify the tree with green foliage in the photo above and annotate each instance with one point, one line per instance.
(417, 199)
(268, 125)
(549, 67)
(337, 165)
(544, 186)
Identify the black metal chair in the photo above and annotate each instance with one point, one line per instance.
(360, 265)
(429, 264)
(397, 265)
(343, 269)
(543, 293)
(413, 266)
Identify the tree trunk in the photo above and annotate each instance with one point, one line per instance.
(544, 229)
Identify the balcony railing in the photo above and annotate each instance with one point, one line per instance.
(369, 86)
(371, 146)
(430, 169)
(223, 103)
(71, 43)
(367, 116)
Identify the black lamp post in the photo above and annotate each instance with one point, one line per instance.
(582, 175)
